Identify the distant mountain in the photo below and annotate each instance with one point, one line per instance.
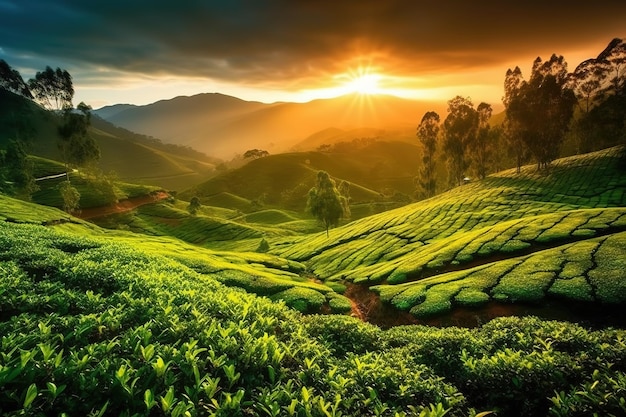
(223, 126)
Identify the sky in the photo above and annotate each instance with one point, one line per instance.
(142, 51)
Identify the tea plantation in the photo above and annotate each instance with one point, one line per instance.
(106, 322)
(511, 237)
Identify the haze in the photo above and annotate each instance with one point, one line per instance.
(140, 52)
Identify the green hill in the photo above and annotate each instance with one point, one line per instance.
(374, 170)
(529, 237)
(132, 157)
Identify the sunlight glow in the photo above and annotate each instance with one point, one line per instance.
(364, 84)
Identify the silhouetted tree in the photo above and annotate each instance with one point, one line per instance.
(255, 153)
(542, 109)
(615, 57)
(482, 146)
(460, 129)
(11, 80)
(194, 206)
(325, 201)
(427, 133)
(53, 89)
(513, 81)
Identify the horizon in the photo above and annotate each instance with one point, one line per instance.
(296, 52)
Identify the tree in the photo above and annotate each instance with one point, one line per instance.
(16, 171)
(70, 196)
(194, 206)
(482, 147)
(255, 153)
(460, 129)
(325, 202)
(53, 89)
(12, 81)
(513, 81)
(77, 147)
(541, 109)
(427, 133)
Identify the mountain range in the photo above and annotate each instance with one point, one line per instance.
(223, 126)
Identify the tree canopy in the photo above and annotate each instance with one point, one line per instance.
(11, 80)
(53, 89)
(325, 202)
(427, 133)
(539, 110)
(460, 129)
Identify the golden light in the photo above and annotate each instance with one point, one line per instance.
(364, 84)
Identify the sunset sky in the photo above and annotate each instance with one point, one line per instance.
(286, 50)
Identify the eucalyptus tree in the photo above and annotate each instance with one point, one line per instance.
(53, 89)
(11, 80)
(482, 147)
(540, 109)
(427, 133)
(459, 127)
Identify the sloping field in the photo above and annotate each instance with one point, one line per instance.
(510, 237)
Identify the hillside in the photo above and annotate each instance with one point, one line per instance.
(132, 158)
(115, 323)
(374, 170)
(223, 126)
(529, 237)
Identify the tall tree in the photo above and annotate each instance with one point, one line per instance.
(542, 108)
(77, 147)
(513, 81)
(460, 129)
(615, 57)
(325, 202)
(11, 80)
(482, 146)
(427, 133)
(53, 89)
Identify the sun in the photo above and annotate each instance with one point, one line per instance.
(364, 84)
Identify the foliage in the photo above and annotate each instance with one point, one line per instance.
(459, 127)
(255, 153)
(53, 89)
(194, 206)
(540, 110)
(11, 80)
(325, 202)
(16, 171)
(427, 133)
(70, 196)
(77, 147)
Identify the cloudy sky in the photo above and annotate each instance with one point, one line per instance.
(296, 50)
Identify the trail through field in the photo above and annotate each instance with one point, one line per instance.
(122, 206)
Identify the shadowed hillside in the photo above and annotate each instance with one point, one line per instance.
(132, 157)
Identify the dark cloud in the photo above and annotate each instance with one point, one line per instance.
(280, 41)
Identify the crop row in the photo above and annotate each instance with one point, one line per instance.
(590, 270)
(94, 326)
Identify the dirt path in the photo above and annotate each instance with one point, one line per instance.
(122, 206)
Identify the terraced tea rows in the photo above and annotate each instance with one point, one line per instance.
(484, 231)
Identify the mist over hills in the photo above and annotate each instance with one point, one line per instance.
(223, 126)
